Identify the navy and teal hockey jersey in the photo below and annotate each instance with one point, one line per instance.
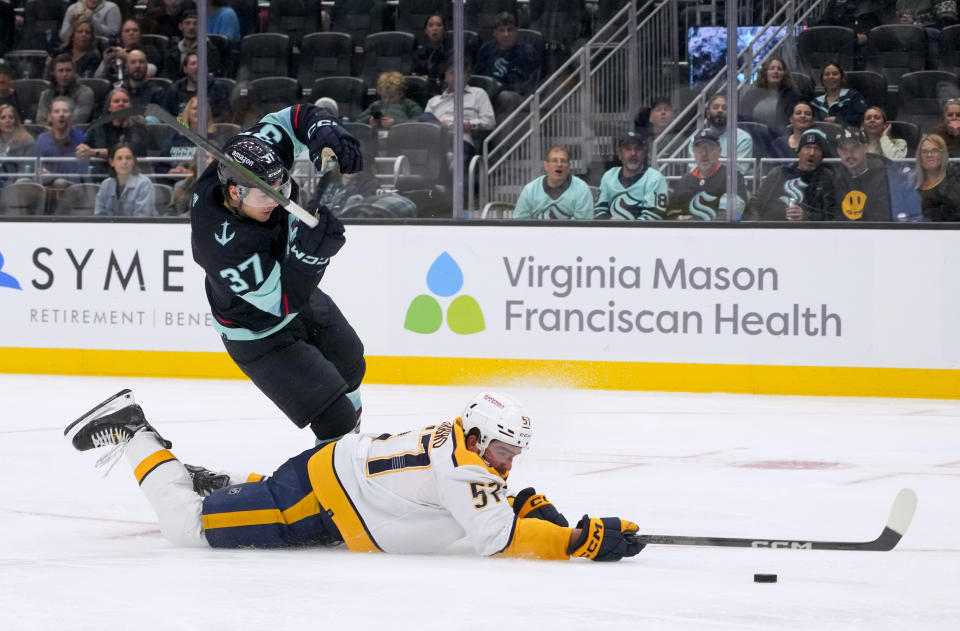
(705, 197)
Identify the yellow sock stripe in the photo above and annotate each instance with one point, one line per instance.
(255, 477)
(150, 463)
(532, 504)
(306, 507)
(334, 498)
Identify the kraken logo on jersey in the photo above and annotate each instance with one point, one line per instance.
(626, 206)
(704, 205)
(793, 189)
(553, 211)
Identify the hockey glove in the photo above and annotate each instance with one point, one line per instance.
(325, 131)
(320, 242)
(529, 504)
(602, 539)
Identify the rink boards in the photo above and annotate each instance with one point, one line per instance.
(867, 312)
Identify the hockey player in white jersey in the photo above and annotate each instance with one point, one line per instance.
(414, 492)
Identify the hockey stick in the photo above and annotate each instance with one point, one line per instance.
(901, 514)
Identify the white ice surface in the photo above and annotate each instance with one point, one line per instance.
(82, 552)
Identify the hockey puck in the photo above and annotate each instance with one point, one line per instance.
(764, 578)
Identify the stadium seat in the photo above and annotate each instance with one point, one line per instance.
(424, 146)
(480, 15)
(29, 91)
(762, 138)
(358, 18)
(296, 18)
(252, 100)
(871, 85)
(413, 14)
(101, 88)
(36, 129)
(223, 63)
(418, 89)
(22, 198)
(368, 141)
(348, 92)
(246, 11)
(385, 52)
(324, 55)
(803, 85)
(558, 20)
(819, 45)
(948, 59)
(163, 200)
(922, 94)
(41, 24)
(897, 50)
(909, 132)
(78, 200)
(154, 51)
(490, 85)
(263, 55)
(27, 64)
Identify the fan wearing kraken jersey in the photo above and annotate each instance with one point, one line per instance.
(414, 492)
(796, 192)
(702, 193)
(556, 195)
(632, 191)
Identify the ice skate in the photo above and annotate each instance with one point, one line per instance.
(111, 423)
(206, 481)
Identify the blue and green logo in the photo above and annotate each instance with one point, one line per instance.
(425, 315)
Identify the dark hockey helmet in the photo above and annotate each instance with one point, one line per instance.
(260, 158)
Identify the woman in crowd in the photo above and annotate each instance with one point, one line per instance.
(15, 142)
(431, 57)
(393, 107)
(801, 120)
(838, 104)
(949, 127)
(771, 98)
(180, 148)
(881, 142)
(81, 45)
(125, 193)
(130, 131)
(937, 182)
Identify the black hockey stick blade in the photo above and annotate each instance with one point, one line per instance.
(901, 514)
(237, 170)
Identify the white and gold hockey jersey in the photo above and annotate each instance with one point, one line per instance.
(419, 492)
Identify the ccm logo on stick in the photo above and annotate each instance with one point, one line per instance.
(793, 545)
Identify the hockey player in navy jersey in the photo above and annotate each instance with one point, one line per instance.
(414, 492)
(263, 266)
(701, 194)
(633, 190)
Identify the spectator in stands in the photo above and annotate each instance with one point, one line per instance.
(392, 107)
(103, 15)
(879, 139)
(933, 16)
(556, 195)
(838, 104)
(860, 17)
(771, 98)
(949, 127)
(126, 130)
(141, 91)
(937, 181)
(165, 18)
(477, 110)
(9, 96)
(80, 44)
(65, 84)
(652, 121)
(430, 59)
(61, 142)
(180, 149)
(795, 192)
(130, 39)
(338, 191)
(179, 48)
(701, 194)
(632, 191)
(125, 193)
(515, 64)
(15, 142)
(176, 95)
(223, 20)
(716, 119)
(801, 121)
(868, 186)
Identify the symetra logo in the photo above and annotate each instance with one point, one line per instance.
(425, 315)
(7, 280)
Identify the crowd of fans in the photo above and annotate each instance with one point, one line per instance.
(118, 44)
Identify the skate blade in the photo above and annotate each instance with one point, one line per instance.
(117, 402)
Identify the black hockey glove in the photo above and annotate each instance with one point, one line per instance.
(325, 131)
(529, 504)
(602, 539)
(321, 242)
